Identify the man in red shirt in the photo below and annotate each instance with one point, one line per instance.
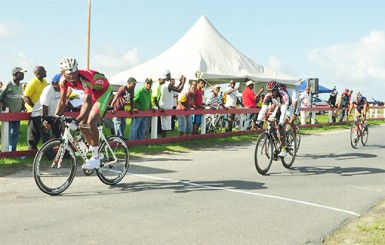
(249, 100)
(198, 103)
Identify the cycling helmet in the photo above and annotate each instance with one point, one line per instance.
(282, 86)
(68, 65)
(272, 85)
(358, 96)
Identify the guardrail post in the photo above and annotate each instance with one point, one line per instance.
(241, 121)
(312, 117)
(203, 124)
(330, 118)
(154, 127)
(5, 134)
(376, 112)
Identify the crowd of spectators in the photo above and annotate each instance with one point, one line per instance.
(40, 98)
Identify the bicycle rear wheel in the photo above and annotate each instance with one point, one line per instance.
(353, 137)
(54, 167)
(365, 135)
(263, 155)
(114, 160)
(291, 149)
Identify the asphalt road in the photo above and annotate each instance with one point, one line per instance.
(211, 196)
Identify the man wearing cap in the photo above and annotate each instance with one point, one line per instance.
(166, 100)
(11, 97)
(142, 99)
(249, 100)
(32, 94)
(123, 100)
(45, 106)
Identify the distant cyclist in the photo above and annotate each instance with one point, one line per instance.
(276, 103)
(97, 94)
(295, 106)
(361, 105)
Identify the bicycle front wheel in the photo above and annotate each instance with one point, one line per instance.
(54, 167)
(353, 137)
(114, 156)
(263, 156)
(298, 137)
(364, 135)
(291, 149)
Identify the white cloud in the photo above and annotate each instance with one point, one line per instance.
(111, 61)
(10, 30)
(359, 65)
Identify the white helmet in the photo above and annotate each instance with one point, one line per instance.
(68, 65)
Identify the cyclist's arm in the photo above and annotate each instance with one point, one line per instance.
(62, 102)
(86, 108)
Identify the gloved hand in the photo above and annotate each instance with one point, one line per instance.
(73, 126)
(154, 108)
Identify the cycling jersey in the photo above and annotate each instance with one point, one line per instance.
(294, 96)
(94, 83)
(360, 104)
(281, 103)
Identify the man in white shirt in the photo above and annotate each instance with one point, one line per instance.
(231, 102)
(46, 106)
(305, 99)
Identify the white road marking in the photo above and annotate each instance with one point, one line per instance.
(249, 193)
(366, 188)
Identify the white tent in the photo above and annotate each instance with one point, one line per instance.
(203, 49)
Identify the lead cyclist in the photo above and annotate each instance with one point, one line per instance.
(97, 95)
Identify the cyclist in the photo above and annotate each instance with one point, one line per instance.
(295, 106)
(275, 103)
(97, 95)
(362, 107)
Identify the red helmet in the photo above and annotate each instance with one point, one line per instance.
(272, 85)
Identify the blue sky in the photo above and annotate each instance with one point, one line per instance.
(342, 42)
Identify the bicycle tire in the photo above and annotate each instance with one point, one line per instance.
(263, 155)
(111, 174)
(298, 138)
(50, 178)
(364, 135)
(291, 149)
(353, 137)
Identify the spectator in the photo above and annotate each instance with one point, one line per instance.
(214, 100)
(11, 97)
(186, 102)
(249, 99)
(305, 98)
(123, 100)
(198, 103)
(142, 102)
(46, 106)
(155, 97)
(231, 102)
(332, 103)
(32, 94)
(166, 102)
(343, 103)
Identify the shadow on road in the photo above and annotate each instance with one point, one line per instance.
(343, 171)
(336, 156)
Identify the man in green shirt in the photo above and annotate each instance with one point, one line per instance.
(142, 101)
(12, 98)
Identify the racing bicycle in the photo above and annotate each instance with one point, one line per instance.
(359, 131)
(268, 147)
(55, 164)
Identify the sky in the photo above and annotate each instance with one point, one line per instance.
(341, 42)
